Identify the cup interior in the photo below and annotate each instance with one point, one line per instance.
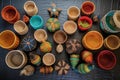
(36, 21)
(29, 6)
(19, 26)
(74, 11)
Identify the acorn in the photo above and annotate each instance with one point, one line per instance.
(27, 70)
(46, 69)
(74, 60)
(87, 56)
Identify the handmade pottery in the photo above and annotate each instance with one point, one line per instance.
(70, 27)
(88, 7)
(84, 23)
(87, 56)
(16, 59)
(84, 68)
(20, 27)
(60, 37)
(36, 22)
(106, 60)
(28, 43)
(40, 35)
(59, 48)
(53, 24)
(10, 14)
(27, 70)
(48, 59)
(30, 8)
(74, 60)
(46, 69)
(116, 18)
(112, 42)
(62, 67)
(73, 12)
(25, 18)
(93, 40)
(8, 40)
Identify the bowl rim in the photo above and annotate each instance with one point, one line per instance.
(27, 3)
(116, 21)
(23, 61)
(103, 67)
(72, 22)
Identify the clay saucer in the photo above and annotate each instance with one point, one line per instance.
(70, 27)
(48, 59)
(60, 37)
(40, 35)
(106, 60)
(16, 59)
(8, 40)
(93, 40)
(112, 42)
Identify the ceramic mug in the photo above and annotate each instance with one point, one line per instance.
(20, 27)
(30, 8)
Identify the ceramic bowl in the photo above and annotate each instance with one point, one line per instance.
(88, 7)
(73, 12)
(60, 37)
(8, 40)
(40, 35)
(70, 27)
(84, 23)
(116, 18)
(20, 27)
(16, 59)
(106, 60)
(112, 42)
(36, 22)
(30, 8)
(10, 14)
(93, 40)
(48, 59)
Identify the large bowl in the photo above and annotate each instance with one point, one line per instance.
(106, 60)
(8, 40)
(16, 59)
(93, 40)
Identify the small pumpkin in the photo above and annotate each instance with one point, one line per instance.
(28, 43)
(53, 24)
(46, 69)
(73, 46)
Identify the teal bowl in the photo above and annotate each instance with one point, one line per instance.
(36, 22)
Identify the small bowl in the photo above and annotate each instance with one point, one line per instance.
(112, 42)
(48, 59)
(40, 35)
(84, 23)
(106, 60)
(88, 7)
(93, 40)
(116, 18)
(70, 27)
(73, 12)
(16, 59)
(8, 40)
(20, 27)
(36, 22)
(10, 14)
(60, 37)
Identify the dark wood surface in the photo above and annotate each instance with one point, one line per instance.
(102, 7)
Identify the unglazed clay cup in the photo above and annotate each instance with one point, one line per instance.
(116, 18)
(60, 37)
(73, 12)
(88, 7)
(30, 8)
(36, 22)
(112, 42)
(40, 35)
(70, 27)
(10, 14)
(16, 59)
(8, 40)
(106, 60)
(20, 27)
(93, 40)
(48, 59)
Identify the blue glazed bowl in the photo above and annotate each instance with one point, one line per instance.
(36, 22)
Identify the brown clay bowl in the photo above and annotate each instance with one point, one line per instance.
(60, 37)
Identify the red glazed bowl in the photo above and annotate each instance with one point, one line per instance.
(84, 23)
(106, 60)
